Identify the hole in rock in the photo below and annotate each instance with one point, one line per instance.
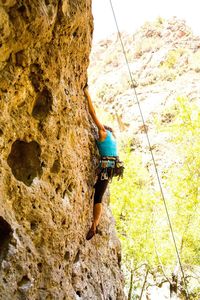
(58, 188)
(64, 222)
(42, 105)
(56, 166)
(66, 92)
(67, 255)
(20, 58)
(70, 187)
(75, 33)
(64, 193)
(39, 265)
(28, 250)
(22, 9)
(78, 293)
(40, 127)
(24, 161)
(5, 237)
(77, 257)
(34, 225)
(24, 281)
(36, 77)
(1, 132)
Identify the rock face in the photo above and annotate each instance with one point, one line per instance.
(48, 158)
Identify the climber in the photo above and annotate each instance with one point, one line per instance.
(109, 165)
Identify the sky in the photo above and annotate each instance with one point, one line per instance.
(132, 14)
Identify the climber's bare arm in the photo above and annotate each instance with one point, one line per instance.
(92, 111)
(102, 130)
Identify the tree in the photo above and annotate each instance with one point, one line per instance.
(140, 215)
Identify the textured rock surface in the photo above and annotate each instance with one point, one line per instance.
(47, 161)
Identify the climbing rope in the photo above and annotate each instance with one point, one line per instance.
(150, 149)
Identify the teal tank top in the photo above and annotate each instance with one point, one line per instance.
(108, 147)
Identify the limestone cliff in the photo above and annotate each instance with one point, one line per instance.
(47, 161)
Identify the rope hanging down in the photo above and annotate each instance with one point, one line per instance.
(150, 149)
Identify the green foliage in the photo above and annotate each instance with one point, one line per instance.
(172, 58)
(184, 179)
(132, 204)
(139, 212)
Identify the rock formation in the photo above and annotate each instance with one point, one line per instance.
(48, 158)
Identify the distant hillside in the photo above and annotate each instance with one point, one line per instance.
(164, 58)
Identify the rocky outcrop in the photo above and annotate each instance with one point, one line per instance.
(47, 161)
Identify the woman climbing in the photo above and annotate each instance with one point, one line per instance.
(109, 165)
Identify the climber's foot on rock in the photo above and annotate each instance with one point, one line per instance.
(91, 232)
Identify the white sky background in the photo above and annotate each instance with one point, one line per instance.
(132, 14)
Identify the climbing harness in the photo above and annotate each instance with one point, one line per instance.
(150, 149)
(110, 166)
(119, 169)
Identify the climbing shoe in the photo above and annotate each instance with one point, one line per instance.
(91, 233)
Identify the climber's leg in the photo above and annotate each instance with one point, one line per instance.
(97, 211)
(100, 188)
